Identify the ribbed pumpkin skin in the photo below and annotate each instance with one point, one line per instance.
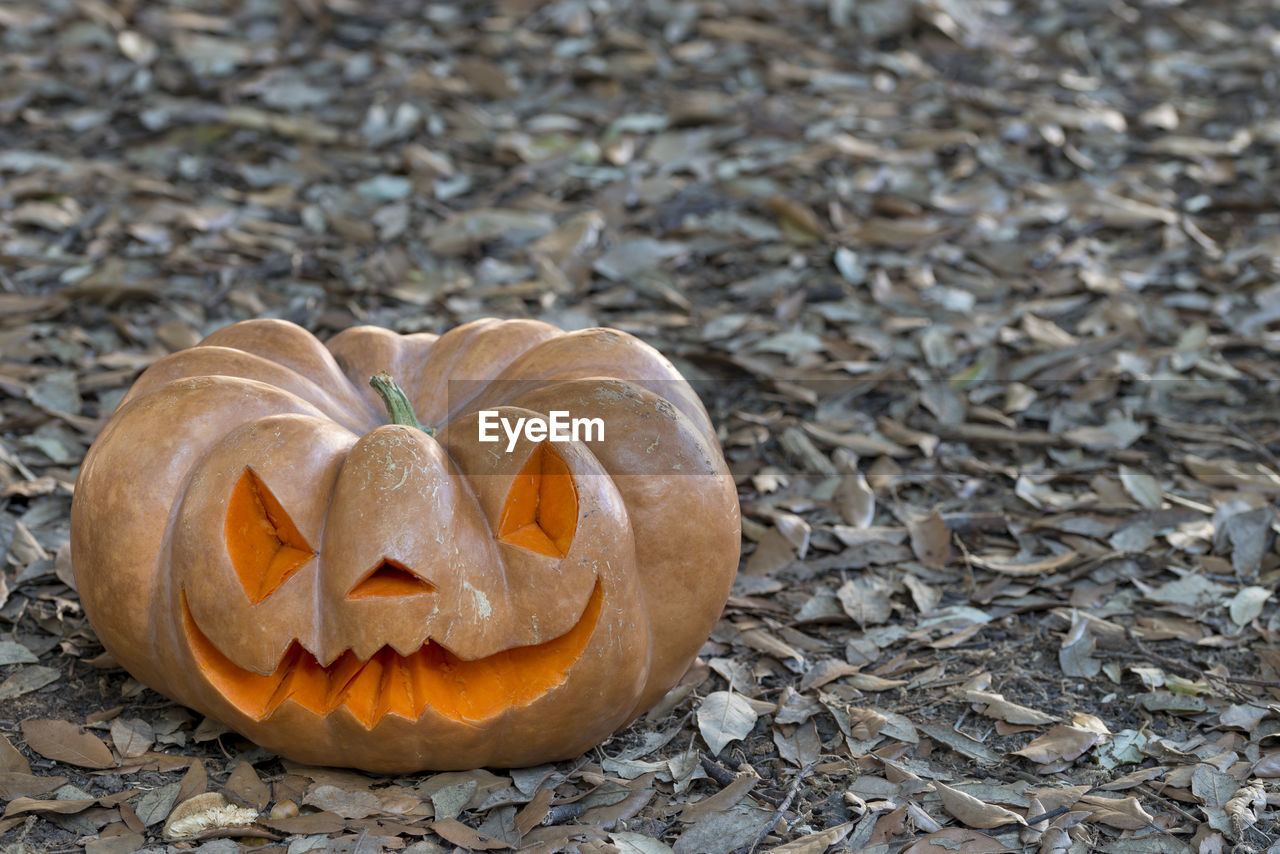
(248, 508)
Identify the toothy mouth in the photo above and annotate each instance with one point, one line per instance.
(389, 683)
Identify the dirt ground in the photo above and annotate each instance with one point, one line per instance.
(983, 299)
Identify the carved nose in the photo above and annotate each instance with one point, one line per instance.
(390, 578)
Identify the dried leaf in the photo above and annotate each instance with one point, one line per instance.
(457, 833)
(816, 843)
(974, 812)
(132, 737)
(343, 802)
(725, 716)
(27, 679)
(735, 791)
(957, 840)
(245, 785)
(63, 741)
(996, 706)
(1076, 655)
(866, 600)
(1011, 566)
(1144, 488)
(931, 540)
(1247, 604)
(1062, 742)
(1122, 813)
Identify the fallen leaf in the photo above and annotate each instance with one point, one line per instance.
(1122, 813)
(245, 785)
(725, 716)
(27, 679)
(132, 737)
(1075, 657)
(815, 843)
(1012, 566)
(957, 840)
(456, 833)
(1062, 742)
(63, 741)
(974, 812)
(1247, 604)
(996, 706)
(931, 540)
(1144, 488)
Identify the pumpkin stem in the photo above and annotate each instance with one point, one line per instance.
(398, 408)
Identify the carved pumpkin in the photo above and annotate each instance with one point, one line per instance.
(251, 538)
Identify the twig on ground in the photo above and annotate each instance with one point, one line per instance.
(1189, 670)
(716, 771)
(782, 807)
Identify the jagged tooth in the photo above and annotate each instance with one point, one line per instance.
(362, 696)
(309, 685)
(398, 687)
(386, 683)
(341, 674)
(282, 680)
(429, 684)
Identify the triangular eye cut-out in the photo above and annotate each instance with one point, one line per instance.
(389, 578)
(541, 513)
(264, 544)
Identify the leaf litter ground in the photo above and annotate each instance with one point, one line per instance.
(982, 296)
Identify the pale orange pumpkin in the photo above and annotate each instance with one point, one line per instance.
(251, 538)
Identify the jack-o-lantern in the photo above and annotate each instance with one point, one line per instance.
(252, 538)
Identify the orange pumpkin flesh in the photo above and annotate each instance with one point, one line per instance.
(390, 683)
(348, 592)
(389, 578)
(541, 512)
(264, 545)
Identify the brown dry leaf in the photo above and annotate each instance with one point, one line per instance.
(795, 530)
(11, 759)
(132, 737)
(866, 600)
(798, 744)
(931, 540)
(1011, 565)
(721, 800)
(996, 706)
(1267, 766)
(194, 782)
(24, 680)
(70, 806)
(1122, 813)
(974, 812)
(773, 552)
(856, 500)
(345, 803)
(532, 813)
(456, 833)
(816, 843)
(63, 741)
(827, 670)
(245, 785)
(871, 682)
(957, 840)
(1232, 474)
(862, 724)
(1062, 742)
(1075, 657)
(797, 218)
(725, 716)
